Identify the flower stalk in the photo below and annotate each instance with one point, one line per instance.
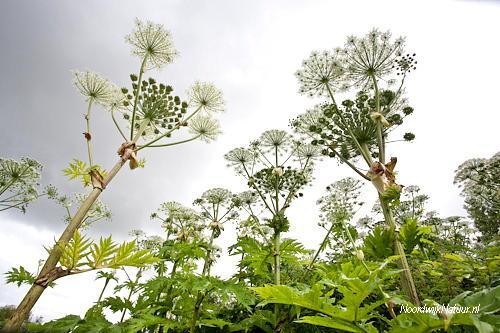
(153, 45)
(37, 289)
(136, 99)
(88, 136)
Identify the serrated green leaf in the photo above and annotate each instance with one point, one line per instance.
(331, 323)
(75, 252)
(127, 255)
(62, 325)
(102, 253)
(80, 170)
(20, 276)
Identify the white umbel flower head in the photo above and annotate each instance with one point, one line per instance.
(321, 72)
(240, 156)
(275, 139)
(207, 97)
(152, 41)
(373, 55)
(205, 126)
(307, 151)
(216, 196)
(93, 87)
(116, 100)
(310, 119)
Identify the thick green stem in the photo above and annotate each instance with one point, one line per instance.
(208, 259)
(196, 313)
(36, 290)
(277, 270)
(366, 153)
(407, 282)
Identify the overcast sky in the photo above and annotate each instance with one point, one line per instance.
(250, 49)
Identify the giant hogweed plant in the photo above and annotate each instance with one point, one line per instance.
(152, 116)
(276, 169)
(218, 206)
(357, 131)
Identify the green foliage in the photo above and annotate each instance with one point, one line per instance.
(486, 320)
(348, 313)
(379, 243)
(75, 252)
(349, 282)
(81, 170)
(412, 235)
(81, 255)
(62, 325)
(19, 276)
(103, 252)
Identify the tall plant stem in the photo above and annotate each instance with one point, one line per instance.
(277, 259)
(380, 138)
(103, 289)
(353, 244)
(131, 292)
(406, 277)
(88, 136)
(37, 289)
(136, 100)
(201, 295)
(277, 268)
(321, 247)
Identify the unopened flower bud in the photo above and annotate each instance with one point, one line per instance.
(360, 255)
(378, 117)
(278, 172)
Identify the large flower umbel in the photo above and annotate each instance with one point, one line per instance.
(93, 87)
(322, 73)
(153, 43)
(205, 96)
(205, 127)
(371, 57)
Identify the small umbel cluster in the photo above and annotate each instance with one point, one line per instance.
(156, 104)
(405, 64)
